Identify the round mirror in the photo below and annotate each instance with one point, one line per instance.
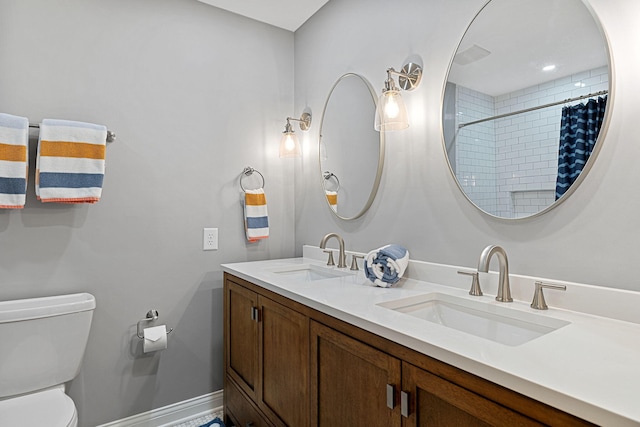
(524, 104)
(351, 152)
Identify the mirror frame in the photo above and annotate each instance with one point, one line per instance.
(599, 140)
(381, 151)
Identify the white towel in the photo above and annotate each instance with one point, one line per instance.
(14, 153)
(385, 266)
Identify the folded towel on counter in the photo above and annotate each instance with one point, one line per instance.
(14, 153)
(332, 198)
(70, 161)
(386, 265)
(256, 219)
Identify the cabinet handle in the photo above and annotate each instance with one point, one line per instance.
(404, 404)
(391, 396)
(255, 314)
(249, 424)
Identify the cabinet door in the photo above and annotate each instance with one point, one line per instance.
(283, 364)
(241, 336)
(239, 410)
(350, 381)
(434, 401)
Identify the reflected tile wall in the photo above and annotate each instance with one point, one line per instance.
(519, 180)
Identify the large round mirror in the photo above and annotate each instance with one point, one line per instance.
(524, 104)
(351, 152)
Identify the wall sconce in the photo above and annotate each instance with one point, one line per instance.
(391, 114)
(289, 144)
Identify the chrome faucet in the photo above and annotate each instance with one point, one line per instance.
(342, 258)
(504, 291)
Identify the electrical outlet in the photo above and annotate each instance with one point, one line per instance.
(210, 239)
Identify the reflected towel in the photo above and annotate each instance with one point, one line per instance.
(332, 198)
(70, 161)
(256, 219)
(14, 137)
(385, 266)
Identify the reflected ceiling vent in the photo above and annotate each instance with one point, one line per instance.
(473, 54)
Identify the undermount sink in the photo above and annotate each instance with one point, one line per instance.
(310, 272)
(482, 319)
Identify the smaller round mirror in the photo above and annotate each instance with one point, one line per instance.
(351, 152)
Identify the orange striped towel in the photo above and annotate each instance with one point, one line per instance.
(256, 219)
(70, 161)
(14, 137)
(332, 198)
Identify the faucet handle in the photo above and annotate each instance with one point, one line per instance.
(538, 296)
(475, 283)
(330, 261)
(354, 261)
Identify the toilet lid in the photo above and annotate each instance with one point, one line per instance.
(51, 408)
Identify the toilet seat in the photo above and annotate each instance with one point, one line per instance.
(51, 408)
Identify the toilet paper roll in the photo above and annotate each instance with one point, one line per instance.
(155, 338)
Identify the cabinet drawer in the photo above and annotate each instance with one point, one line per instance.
(240, 409)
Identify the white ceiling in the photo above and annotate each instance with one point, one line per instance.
(523, 36)
(287, 14)
(519, 36)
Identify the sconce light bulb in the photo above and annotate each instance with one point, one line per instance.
(289, 143)
(391, 113)
(391, 109)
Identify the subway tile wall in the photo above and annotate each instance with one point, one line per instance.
(508, 166)
(476, 148)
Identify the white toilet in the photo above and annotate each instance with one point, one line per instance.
(42, 345)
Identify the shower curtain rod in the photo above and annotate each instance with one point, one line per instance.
(526, 110)
(111, 136)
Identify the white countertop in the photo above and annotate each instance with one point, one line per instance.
(589, 368)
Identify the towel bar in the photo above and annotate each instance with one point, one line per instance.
(111, 136)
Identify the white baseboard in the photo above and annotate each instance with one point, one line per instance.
(171, 413)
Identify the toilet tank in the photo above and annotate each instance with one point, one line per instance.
(42, 341)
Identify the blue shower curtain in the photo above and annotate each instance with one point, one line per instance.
(579, 131)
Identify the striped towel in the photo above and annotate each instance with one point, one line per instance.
(256, 220)
(70, 161)
(332, 198)
(14, 137)
(385, 266)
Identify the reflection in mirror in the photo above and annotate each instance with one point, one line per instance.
(524, 103)
(351, 152)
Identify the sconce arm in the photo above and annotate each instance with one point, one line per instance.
(305, 121)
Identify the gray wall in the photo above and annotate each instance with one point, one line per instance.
(194, 94)
(174, 79)
(591, 238)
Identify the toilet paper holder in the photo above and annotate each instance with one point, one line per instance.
(151, 316)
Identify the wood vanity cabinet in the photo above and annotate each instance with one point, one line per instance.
(266, 360)
(290, 365)
(349, 382)
(433, 401)
(355, 384)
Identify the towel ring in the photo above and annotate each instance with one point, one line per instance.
(327, 176)
(248, 171)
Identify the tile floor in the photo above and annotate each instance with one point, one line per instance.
(197, 420)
